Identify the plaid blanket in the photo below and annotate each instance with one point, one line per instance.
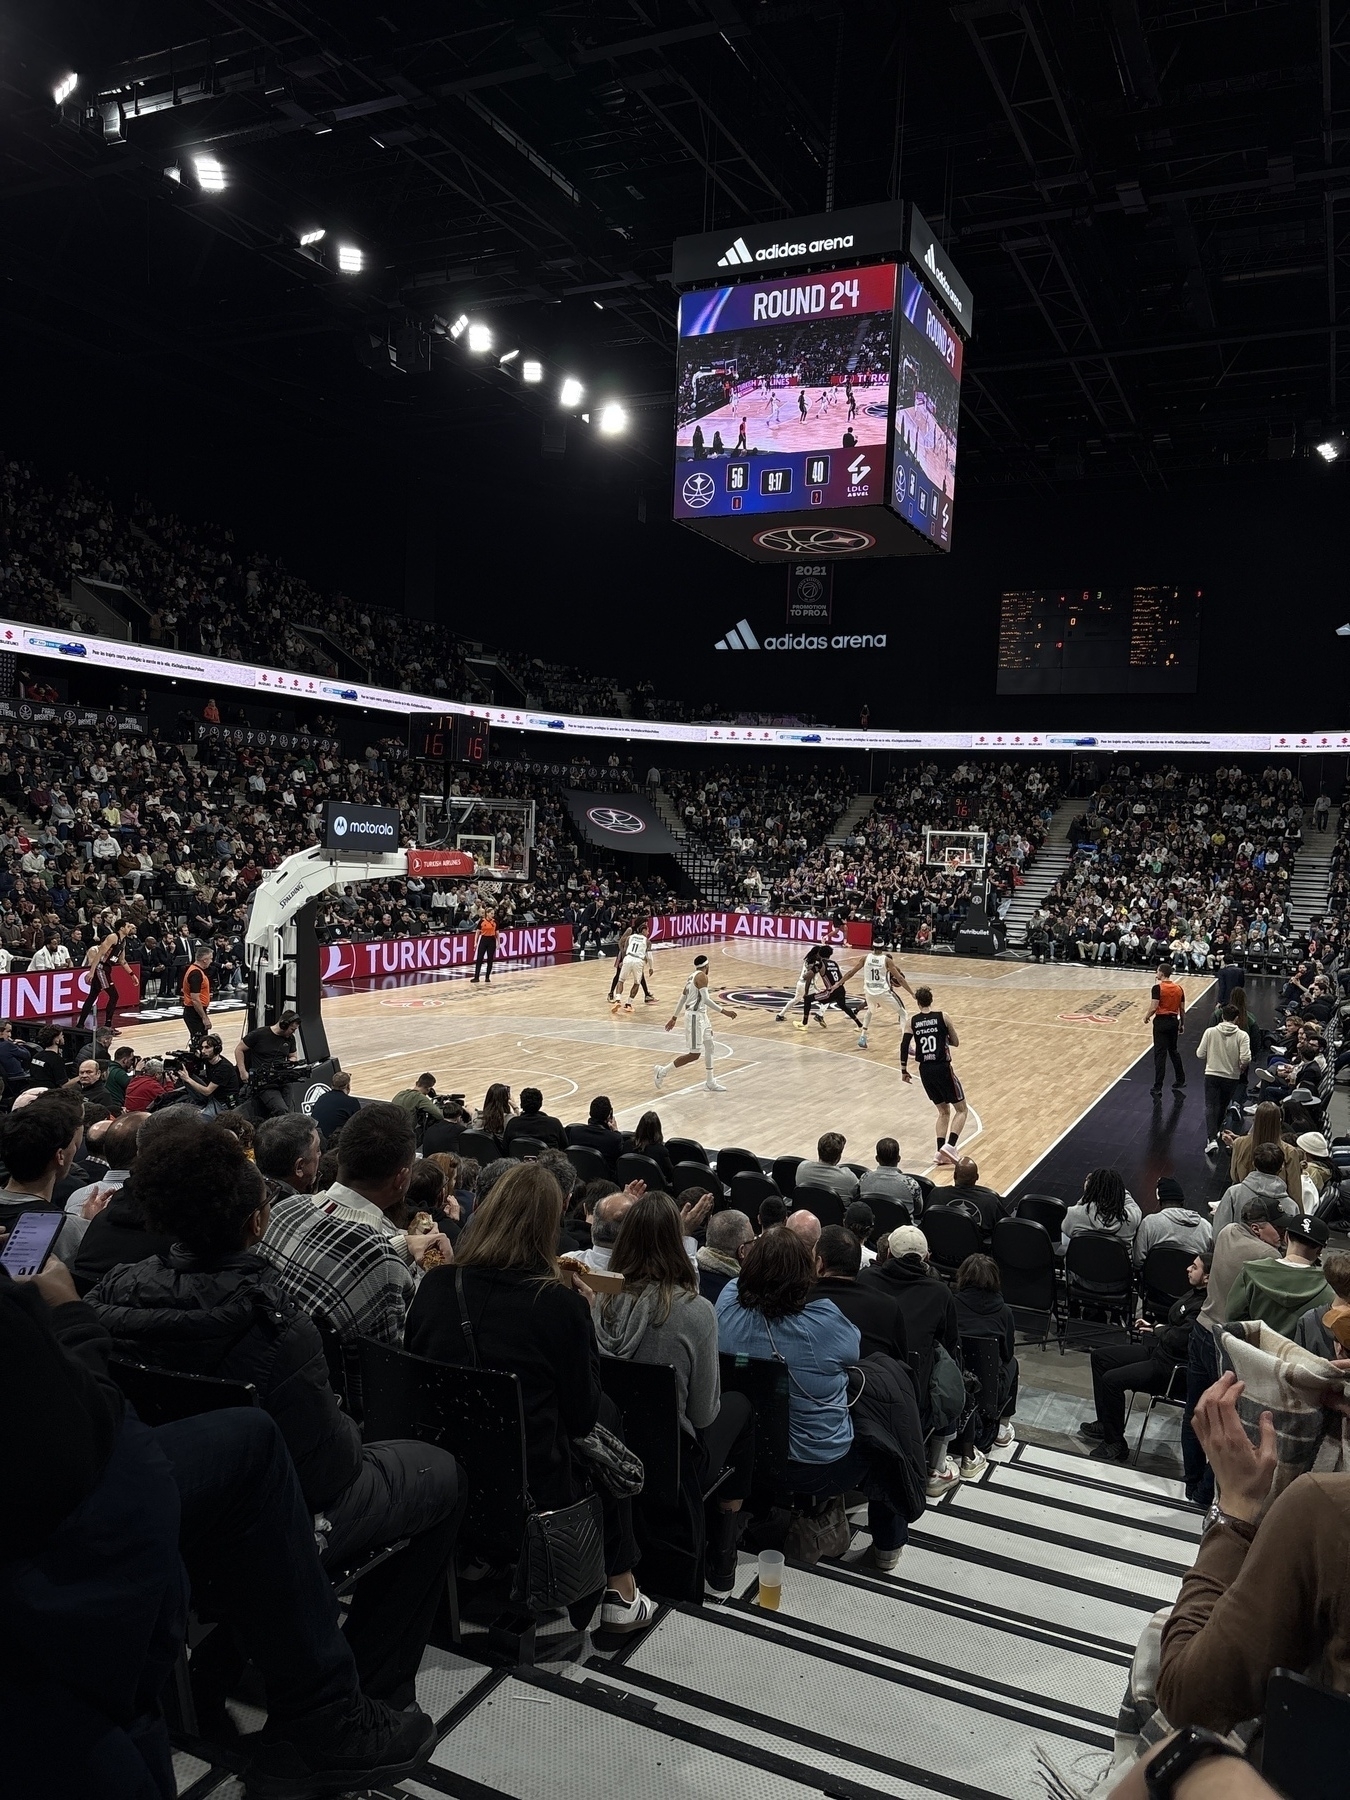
(1292, 1384)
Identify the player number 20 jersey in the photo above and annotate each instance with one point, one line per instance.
(929, 1032)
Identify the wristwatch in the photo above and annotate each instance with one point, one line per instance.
(1190, 1746)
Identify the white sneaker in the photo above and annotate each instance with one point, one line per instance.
(1212, 1147)
(943, 1480)
(618, 1614)
(862, 1041)
(658, 1075)
(947, 1155)
(1007, 1435)
(974, 1466)
(714, 1087)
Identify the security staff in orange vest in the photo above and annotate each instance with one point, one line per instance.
(197, 995)
(487, 946)
(1168, 1013)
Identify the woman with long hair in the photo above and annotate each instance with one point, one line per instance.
(649, 1140)
(531, 1318)
(661, 1318)
(497, 1109)
(1105, 1206)
(770, 1313)
(1267, 1128)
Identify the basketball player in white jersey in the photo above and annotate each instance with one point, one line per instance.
(881, 977)
(698, 1005)
(635, 964)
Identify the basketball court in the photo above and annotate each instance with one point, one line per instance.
(823, 427)
(1040, 1045)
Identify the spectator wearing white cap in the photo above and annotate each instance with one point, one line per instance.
(929, 1312)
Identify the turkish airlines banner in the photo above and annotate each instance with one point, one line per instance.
(60, 993)
(406, 955)
(440, 862)
(673, 928)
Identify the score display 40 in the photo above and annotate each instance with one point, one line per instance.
(808, 299)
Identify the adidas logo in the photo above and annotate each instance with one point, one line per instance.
(734, 257)
(740, 637)
(930, 263)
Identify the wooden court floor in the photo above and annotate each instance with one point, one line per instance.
(1039, 1046)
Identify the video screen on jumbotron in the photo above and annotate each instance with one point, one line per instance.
(784, 393)
(927, 411)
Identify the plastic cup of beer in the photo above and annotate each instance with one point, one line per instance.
(770, 1579)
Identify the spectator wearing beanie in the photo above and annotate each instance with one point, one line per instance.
(1174, 1223)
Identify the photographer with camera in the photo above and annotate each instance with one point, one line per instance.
(265, 1058)
(209, 1076)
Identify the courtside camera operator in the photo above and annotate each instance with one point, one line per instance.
(265, 1058)
(209, 1076)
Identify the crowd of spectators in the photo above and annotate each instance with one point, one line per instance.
(1194, 865)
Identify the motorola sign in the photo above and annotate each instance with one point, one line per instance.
(932, 262)
(853, 233)
(368, 829)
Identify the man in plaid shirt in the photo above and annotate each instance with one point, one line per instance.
(349, 1275)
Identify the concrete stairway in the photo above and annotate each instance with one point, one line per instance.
(1051, 861)
(850, 819)
(704, 867)
(1310, 881)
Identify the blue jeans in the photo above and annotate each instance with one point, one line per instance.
(852, 1470)
(1202, 1371)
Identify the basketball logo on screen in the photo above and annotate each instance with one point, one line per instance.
(698, 490)
(613, 818)
(817, 540)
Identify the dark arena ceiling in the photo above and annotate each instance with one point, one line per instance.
(1150, 199)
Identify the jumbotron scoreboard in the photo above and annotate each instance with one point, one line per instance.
(818, 386)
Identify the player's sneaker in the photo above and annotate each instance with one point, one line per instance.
(862, 1040)
(613, 1006)
(947, 1157)
(628, 1006)
(714, 1087)
(658, 1075)
(799, 1024)
(820, 1020)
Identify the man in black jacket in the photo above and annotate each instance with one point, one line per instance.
(533, 1122)
(1146, 1366)
(991, 1206)
(93, 1597)
(211, 1307)
(599, 1132)
(901, 1270)
(880, 1322)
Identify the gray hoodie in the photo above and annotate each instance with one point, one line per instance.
(1172, 1225)
(1256, 1187)
(1225, 1050)
(685, 1342)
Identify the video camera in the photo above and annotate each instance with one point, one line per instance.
(176, 1061)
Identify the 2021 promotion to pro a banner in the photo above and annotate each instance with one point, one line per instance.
(784, 391)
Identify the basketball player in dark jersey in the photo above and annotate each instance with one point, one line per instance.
(933, 1038)
(823, 975)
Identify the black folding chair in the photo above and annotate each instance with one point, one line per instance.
(765, 1385)
(633, 1166)
(889, 1214)
(588, 1163)
(732, 1162)
(522, 1147)
(952, 1237)
(1307, 1728)
(1098, 1289)
(1045, 1210)
(1163, 1279)
(680, 1150)
(784, 1173)
(163, 1396)
(697, 1175)
(828, 1207)
(1174, 1394)
(747, 1190)
(668, 1514)
(1025, 1254)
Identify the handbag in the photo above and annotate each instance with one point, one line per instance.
(562, 1555)
(611, 1461)
(824, 1532)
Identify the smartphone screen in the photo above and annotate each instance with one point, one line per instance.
(30, 1242)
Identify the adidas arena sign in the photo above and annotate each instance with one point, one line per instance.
(741, 637)
(848, 234)
(937, 269)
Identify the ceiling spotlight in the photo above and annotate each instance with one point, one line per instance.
(210, 175)
(1343, 631)
(312, 237)
(1330, 448)
(480, 338)
(460, 326)
(571, 391)
(510, 356)
(64, 89)
(173, 173)
(530, 370)
(350, 260)
(598, 305)
(613, 419)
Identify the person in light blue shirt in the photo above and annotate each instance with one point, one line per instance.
(767, 1313)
